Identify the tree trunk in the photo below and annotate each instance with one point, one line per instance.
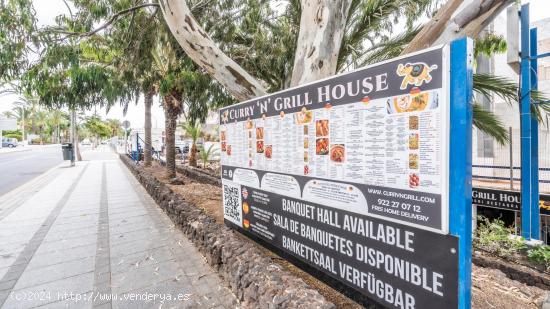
(148, 140)
(77, 147)
(171, 116)
(322, 26)
(457, 19)
(73, 135)
(193, 154)
(205, 53)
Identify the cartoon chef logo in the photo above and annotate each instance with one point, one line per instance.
(225, 117)
(415, 74)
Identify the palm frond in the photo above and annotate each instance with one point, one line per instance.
(388, 49)
(541, 106)
(506, 89)
(488, 84)
(206, 154)
(193, 130)
(375, 19)
(488, 123)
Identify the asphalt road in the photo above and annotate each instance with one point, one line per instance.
(16, 168)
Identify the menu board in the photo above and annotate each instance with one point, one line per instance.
(351, 170)
(373, 141)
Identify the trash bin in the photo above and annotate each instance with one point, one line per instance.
(67, 149)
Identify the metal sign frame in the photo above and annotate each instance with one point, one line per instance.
(459, 178)
(530, 212)
(460, 158)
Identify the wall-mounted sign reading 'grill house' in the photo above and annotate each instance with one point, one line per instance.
(350, 175)
(505, 199)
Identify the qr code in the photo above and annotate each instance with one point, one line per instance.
(232, 202)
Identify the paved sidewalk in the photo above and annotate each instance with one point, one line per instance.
(91, 237)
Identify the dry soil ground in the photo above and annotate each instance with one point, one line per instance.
(490, 287)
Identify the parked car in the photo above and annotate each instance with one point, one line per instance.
(9, 142)
(183, 146)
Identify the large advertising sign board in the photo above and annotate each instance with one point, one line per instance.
(8, 124)
(351, 175)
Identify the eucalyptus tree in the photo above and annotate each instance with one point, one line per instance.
(330, 37)
(97, 128)
(64, 77)
(327, 29)
(17, 25)
(129, 31)
(308, 40)
(122, 44)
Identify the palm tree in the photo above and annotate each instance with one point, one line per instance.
(20, 113)
(41, 121)
(194, 132)
(8, 114)
(55, 119)
(206, 154)
(114, 126)
(166, 66)
(148, 100)
(23, 109)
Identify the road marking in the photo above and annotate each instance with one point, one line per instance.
(15, 271)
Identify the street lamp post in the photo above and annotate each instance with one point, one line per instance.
(73, 135)
(23, 123)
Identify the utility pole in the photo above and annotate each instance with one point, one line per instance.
(23, 124)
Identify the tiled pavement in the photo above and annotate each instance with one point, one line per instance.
(91, 237)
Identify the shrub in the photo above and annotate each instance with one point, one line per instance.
(14, 135)
(36, 141)
(494, 236)
(540, 254)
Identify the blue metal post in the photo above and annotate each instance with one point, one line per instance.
(136, 153)
(525, 126)
(460, 166)
(535, 211)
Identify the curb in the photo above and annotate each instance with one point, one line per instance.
(518, 273)
(199, 175)
(546, 302)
